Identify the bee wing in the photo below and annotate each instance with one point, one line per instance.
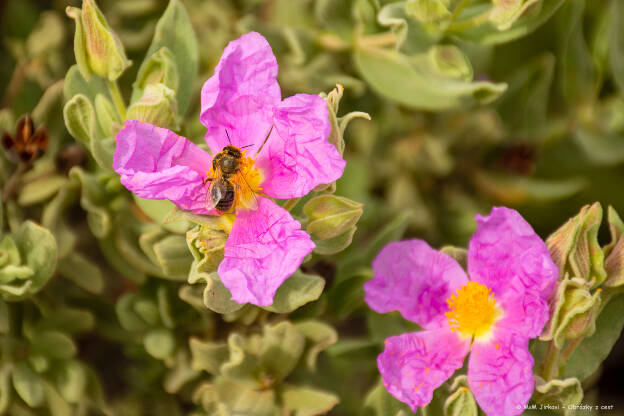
(246, 197)
(214, 194)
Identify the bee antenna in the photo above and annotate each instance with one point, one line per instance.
(228, 137)
(265, 140)
(247, 145)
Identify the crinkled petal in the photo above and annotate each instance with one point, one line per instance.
(526, 314)
(413, 365)
(297, 157)
(506, 254)
(241, 94)
(413, 278)
(500, 373)
(265, 247)
(156, 163)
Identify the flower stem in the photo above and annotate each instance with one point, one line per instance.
(550, 368)
(113, 88)
(470, 23)
(290, 204)
(569, 349)
(13, 183)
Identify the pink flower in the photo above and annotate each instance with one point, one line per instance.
(493, 315)
(265, 245)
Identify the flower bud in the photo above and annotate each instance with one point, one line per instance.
(27, 261)
(505, 12)
(575, 249)
(159, 68)
(330, 215)
(207, 244)
(575, 312)
(461, 402)
(157, 106)
(97, 48)
(429, 11)
(80, 118)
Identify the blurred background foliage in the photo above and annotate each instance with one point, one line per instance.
(472, 104)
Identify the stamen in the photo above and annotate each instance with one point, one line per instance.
(473, 310)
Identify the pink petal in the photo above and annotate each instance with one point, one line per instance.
(297, 157)
(265, 247)
(500, 374)
(413, 365)
(156, 163)
(505, 254)
(241, 94)
(413, 278)
(526, 314)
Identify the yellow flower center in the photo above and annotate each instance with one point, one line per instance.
(473, 310)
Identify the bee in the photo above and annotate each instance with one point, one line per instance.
(228, 184)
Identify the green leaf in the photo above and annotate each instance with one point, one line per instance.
(383, 404)
(216, 296)
(208, 356)
(71, 381)
(75, 84)
(5, 320)
(40, 189)
(296, 291)
(107, 117)
(565, 393)
(159, 343)
(486, 32)
(616, 43)
(305, 401)
(524, 105)
(576, 63)
(82, 272)
(175, 32)
(28, 384)
(56, 402)
(422, 86)
(515, 190)
(593, 350)
(53, 344)
(158, 210)
(281, 348)
(603, 148)
(320, 335)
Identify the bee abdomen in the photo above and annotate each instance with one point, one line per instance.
(223, 194)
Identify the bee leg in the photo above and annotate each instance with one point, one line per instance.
(208, 179)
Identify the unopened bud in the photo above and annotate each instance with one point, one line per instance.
(159, 68)
(575, 312)
(157, 106)
(429, 11)
(461, 402)
(330, 215)
(97, 48)
(575, 249)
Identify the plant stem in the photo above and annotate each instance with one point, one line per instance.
(113, 88)
(467, 24)
(569, 349)
(290, 204)
(12, 184)
(550, 369)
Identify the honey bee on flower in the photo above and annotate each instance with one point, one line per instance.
(286, 155)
